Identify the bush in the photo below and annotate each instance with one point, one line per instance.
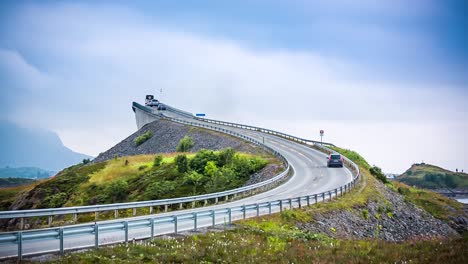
(185, 144)
(226, 156)
(200, 160)
(142, 138)
(158, 190)
(377, 173)
(56, 200)
(117, 191)
(181, 162)
(86, 161)
(157, 160)
(365, 214)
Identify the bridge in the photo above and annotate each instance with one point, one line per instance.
(305, 181)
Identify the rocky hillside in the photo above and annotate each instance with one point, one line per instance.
(433, 177)
(166, 136)
(392, 212)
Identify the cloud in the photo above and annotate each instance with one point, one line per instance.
(92, 62)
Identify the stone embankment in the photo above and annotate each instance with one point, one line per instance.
(166, 136)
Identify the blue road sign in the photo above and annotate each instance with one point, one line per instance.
(199, 114)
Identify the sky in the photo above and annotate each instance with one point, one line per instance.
(387, 78)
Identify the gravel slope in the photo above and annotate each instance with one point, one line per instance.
(166, 136)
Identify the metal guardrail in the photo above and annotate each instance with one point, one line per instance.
(163, 202)
(61, 233)
(95, 229)
(264, 130)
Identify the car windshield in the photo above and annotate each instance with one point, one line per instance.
(335, 157)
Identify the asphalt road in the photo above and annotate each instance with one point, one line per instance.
(310, 176)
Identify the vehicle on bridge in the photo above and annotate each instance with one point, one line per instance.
(153, 103)
(335, 160)
(148, 98)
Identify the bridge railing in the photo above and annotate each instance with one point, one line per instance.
(216, 197)
(232, 213)
(224, 215)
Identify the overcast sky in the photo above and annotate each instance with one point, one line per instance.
(386, 78)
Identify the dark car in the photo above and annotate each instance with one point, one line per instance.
(335, 160)
(153, 102)
(161, 107)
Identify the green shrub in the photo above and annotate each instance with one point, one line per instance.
(226, 156)
(86, 161)
(142, 167)
(117, 191)
(200, 160)
(159, 189)
(365, 214)
(142, 138)
(377, 173)
(56, 200)
(185, 144)
(157, 160)
(181, 162)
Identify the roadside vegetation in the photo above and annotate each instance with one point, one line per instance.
(275, 244)
(142, 177)
(143, 138)
(279, 238)
(10, 182)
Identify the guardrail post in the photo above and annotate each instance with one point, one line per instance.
(290, 203)
(96, 215)
(216, 200)
(258, 209)
(61, 240)
(96, 235)
(133, 211)
(341, 191)
(175, 224)
(229, 215)
(323, 197)
(213, 218)
(75, 218)
(126, 232)
(330, 196)
(181, 206)
(165, 208)
(50, 220)
(281, 205)
(345, 188)
(315, 197)
(308, 200)
(205, 203)
(299, 200)
(243, 211)
(226, 197)
(193, 204)
(19, 238)
(336, 193)
(151, 209)
(116, 213)
(195, 216)
(269, 207)
(152, 228)
(22, 223)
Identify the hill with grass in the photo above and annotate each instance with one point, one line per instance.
(432, 177)
(377, 222)
(162, 136)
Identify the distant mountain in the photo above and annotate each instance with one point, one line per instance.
(26, 147)
(25, 172)
(432, 177)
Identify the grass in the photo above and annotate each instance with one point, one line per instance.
(436, 204)
(247, 246)
(276, 239)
